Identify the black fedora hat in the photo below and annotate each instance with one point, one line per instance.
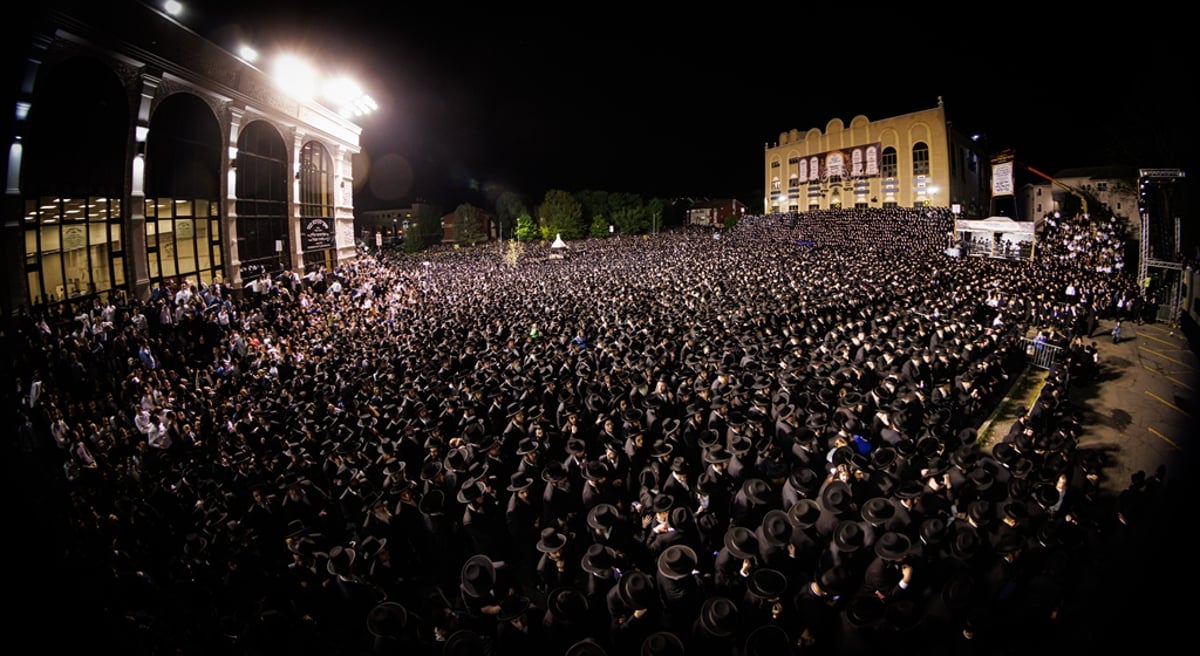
(677, 561)
(717, 454)
(595, 470)
(662, 643)
(598, 560)
(586, 647)
(741, 542)
(756, 491)
(603, 516)
(893, 546)
(849, 535)
(836, 579)
(341, 560)
(478, 575)
(387, 620)
(804, 479)
(519, 481)
(719, 616)
(566, 605)
(768, 640)
(804, 513)
(878, 510)
(965, 543)
(464, 642)
(554, 471)
(932, 530)
(776, 528)
(513, 607)
(636, 590)
(551, 541)
(767, 583)
(837, 498)
(432, 502)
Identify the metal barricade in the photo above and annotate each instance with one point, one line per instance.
(1041, 354)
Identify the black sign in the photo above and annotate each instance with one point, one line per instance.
(316, 234)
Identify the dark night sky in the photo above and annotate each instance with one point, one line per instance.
(473, 104)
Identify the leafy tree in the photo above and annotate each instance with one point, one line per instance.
(657, 208)
(466, 225)
(425, 230)
(527, 228)
(509, 207)
(730, 221)
(631, 220)
(561, 214)
(599, 226)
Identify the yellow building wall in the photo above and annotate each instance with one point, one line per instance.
(899, 132)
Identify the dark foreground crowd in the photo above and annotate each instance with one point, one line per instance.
(762, 443)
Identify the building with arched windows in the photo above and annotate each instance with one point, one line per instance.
(914, 160)
(144, 154)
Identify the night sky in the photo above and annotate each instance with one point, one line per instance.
(474, 104)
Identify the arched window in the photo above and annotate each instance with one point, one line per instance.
(74, 170)
(920, 153)
(888, 165)
(183, 188)
(316, 206)
(262, 201)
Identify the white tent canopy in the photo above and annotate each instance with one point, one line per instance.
(994, 224)
(558, 242)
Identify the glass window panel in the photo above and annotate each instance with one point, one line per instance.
(31, 243)
(151, 208)
(36, 294)
(52, 276)
(203, 245)
(101, 280)
(118, 271)
(153, 270)
(97, 208)
(31, 209)
(51, 242)
(115, 206)
(185, 245)
(183, 208)
(114, 237)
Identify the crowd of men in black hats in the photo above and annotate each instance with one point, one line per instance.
(759, 444)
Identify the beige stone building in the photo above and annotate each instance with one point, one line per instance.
(913, 160)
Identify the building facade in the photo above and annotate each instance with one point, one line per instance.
(144, 154)
(1112, 191)
(914, 160)
(712, 213)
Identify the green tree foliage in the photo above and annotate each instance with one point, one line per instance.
(527, 228)
(509, 207)
(599, 226)
(466, 225)
(425, 229)
(730, 221)
(562, 215)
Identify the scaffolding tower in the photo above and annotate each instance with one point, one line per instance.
(1160, 238)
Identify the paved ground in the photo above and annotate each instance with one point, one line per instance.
(1142, 412)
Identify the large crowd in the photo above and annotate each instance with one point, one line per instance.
(765, 443)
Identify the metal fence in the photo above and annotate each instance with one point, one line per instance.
(1040, 354)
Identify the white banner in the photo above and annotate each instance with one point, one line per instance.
(1002, 179)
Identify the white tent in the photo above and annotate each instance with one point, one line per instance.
(1004, 236)
(558, 248)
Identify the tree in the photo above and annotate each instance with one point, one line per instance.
(509, 207)
(599, 226)
(561, 214)
(730, 221)
(466, 225)
(527, 228)
(426, 229)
